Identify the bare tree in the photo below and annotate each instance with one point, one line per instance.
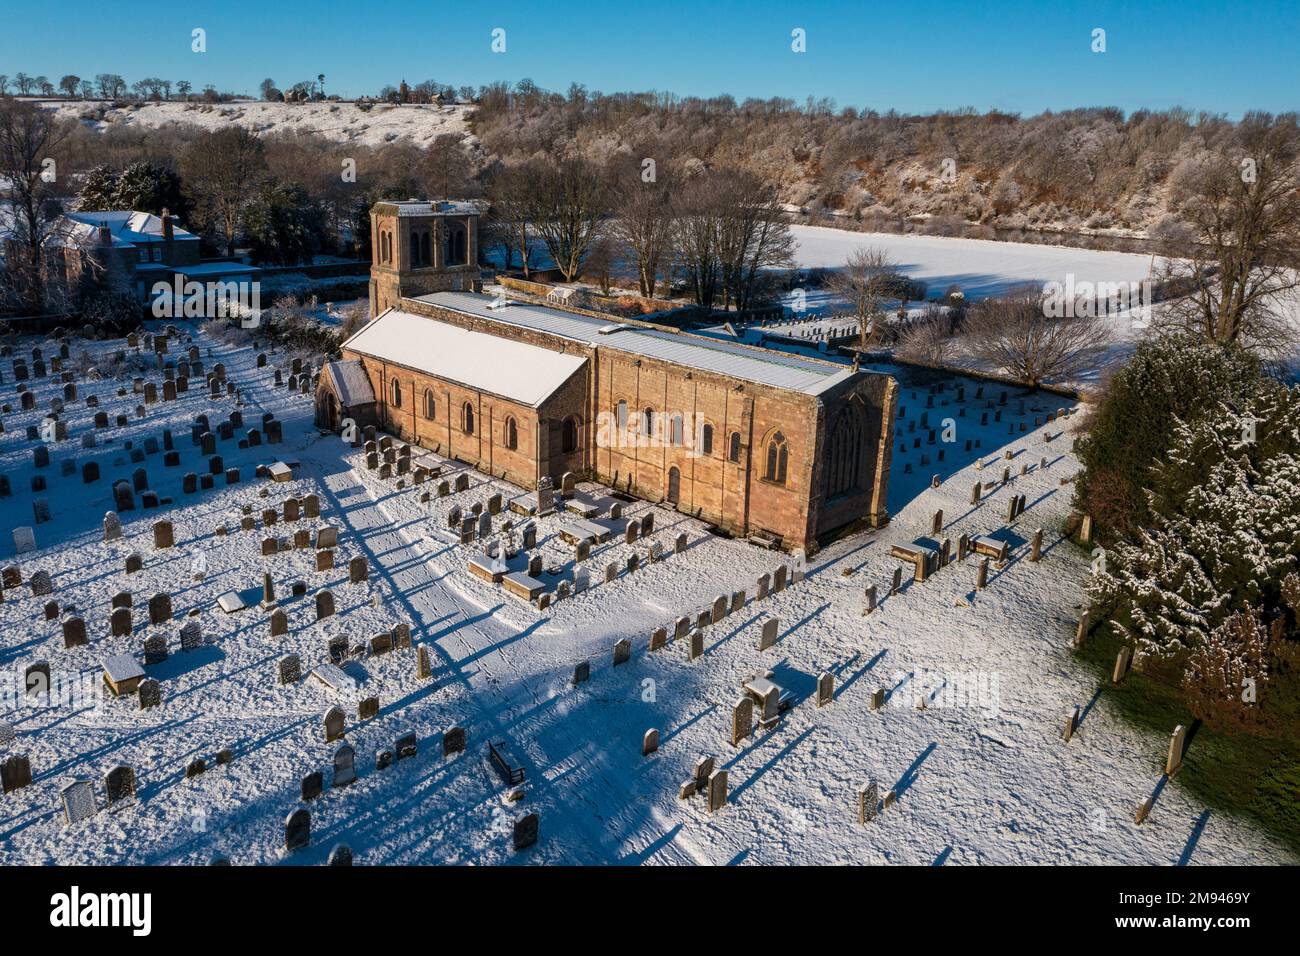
(643, 225)
(863, 283)
(1014, 335)
(222, 167)
(510, 191)
(928, 339)
(1242, 200)
(569, 200)
(28, 138)
(753, 237)
(70, 84)
(696, 223)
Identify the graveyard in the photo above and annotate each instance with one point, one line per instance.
(232, 637)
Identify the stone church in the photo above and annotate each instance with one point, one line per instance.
(757, 442)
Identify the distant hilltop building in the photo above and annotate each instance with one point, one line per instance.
(755, 441)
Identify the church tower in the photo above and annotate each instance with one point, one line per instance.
(420, 247)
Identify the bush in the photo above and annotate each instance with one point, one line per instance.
(1166, 380)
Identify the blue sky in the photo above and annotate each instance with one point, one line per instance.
(914, 56)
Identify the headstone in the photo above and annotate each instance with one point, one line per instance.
(769, 633)
(334, 722)
(1177, 743)
(344, 769)
(297, 830)
(868, 800)
(312, 785)
(525, 831)
(290, 669)
(742, 719)
(79, 801)
(717, 792)
(622, 652)
(15, 773)
(825, 688)
(119, 784)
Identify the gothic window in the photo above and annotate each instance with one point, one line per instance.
(706, 439)
(397, 394)
(733, 450)
(648, 422)
(569, 435)
(512, 433)
(844, 456)
(620, 414)
(430, 405)
(678, 430)
(467, 419)
(778, 456)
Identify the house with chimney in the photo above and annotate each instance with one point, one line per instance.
(125, 251)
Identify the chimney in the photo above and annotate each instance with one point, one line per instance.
(167, 225)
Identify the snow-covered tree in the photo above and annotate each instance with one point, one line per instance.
(1226, 507)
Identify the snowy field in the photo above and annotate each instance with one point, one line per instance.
(980, 267)
(979, 778)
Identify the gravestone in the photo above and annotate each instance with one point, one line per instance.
(160, 608)
(15, 773)
(622, 652)
(367, 708)
(191, 636)
(112, 526)
(297, 830)
(119, 784)
(695, 645)
(717, 791)
(344, 766)
(24, 540)
(742, 719)
(825, 688)
(312, 785)
(868, 801)
(649, 742)
(290, 669)
(74, 632)
(406, 746)
(155, 649)
(525, 832)
(769, 633)
(453, 741)
(581, 672)
(358, 571)
(79, 801)
(341, 855)
(658, 638)
(333, 721)
(423, 670)
(324, 604)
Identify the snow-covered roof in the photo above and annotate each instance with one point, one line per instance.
(128, 226)
(760, 366)
(351, 382)
(437, 207)
(528, 374)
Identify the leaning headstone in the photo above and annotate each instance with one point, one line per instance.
(581, 672)
(1177, 743)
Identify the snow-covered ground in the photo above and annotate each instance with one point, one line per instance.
(341, 122)
(980, 267)
(982, 779)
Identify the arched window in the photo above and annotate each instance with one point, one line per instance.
(512, 433)
(620, 415)
(396, 400)
(778, 457)
(569, 435)
(648, 422)
(678, 436)
(430, 405)
(706, 439)
(455, 244)
(733, 450)
(467, 419)
(844, 455)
